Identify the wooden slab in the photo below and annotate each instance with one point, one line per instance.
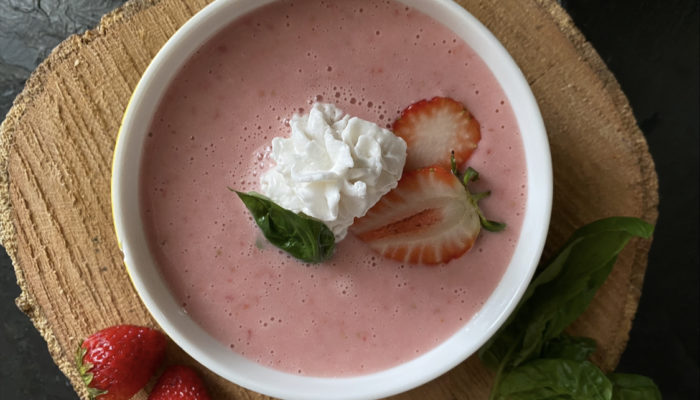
(56, 149)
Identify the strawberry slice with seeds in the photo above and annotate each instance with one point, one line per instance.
(428, 218)
(434, 128)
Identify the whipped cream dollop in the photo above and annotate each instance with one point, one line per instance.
(333, 167)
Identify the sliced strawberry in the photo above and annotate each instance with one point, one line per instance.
(429, 218)
(433, 128)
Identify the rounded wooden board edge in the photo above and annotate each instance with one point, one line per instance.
(646, 164)
(33, 87)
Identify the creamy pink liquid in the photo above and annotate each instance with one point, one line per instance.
(359, 312)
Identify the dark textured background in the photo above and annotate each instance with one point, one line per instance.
(650, 46)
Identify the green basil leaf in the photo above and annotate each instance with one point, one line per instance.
(562, 290)
(569, 348)
(633, 387)
(303, 237)
(500, 348)
(554, 379)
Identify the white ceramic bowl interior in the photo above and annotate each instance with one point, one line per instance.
(218, 357)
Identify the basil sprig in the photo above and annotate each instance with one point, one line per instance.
(555, 379)
(532, 358)
(633, 387)
(303, 237)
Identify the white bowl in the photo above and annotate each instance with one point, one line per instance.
(219, 358)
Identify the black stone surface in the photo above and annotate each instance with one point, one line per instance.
(652, 49)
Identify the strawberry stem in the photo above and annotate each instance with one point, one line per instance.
(491, 226)
(471, 175)
(85, 374)
(482, 195)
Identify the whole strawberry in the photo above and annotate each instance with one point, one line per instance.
(179, 382)
(117, 362)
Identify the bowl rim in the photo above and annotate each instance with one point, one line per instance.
(207, 351)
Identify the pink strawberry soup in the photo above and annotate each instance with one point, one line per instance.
(357, 313)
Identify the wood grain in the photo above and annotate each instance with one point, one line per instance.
(56, 149)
